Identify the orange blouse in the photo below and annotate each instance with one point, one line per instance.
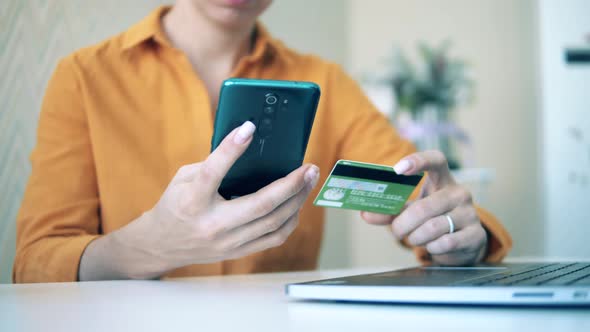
(119, 119)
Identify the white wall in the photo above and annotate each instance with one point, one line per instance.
(566, 115)
(311, 26)
(498, 39)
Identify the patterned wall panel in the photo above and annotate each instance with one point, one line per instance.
(34, 35)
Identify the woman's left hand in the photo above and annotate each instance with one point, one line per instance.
(442, 205)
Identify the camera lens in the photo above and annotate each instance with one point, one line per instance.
(271, 99)
(265, 127)
(269, 110)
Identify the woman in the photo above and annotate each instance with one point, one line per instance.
(123, 184)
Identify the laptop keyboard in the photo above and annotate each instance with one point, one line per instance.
(569, 274)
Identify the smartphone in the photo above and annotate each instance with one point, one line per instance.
(283, 112)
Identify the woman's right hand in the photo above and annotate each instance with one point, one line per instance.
(193, 224)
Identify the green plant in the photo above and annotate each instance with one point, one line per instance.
(437, 80)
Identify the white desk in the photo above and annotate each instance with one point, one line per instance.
(246, 303)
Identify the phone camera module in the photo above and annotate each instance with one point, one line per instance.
(271, 99)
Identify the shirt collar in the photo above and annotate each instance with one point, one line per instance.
(150, 28)
(146, 29)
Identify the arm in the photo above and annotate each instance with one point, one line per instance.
(59, 214)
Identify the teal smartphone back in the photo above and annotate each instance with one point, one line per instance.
(283, 112)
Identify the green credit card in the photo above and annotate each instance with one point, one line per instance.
(366, 187)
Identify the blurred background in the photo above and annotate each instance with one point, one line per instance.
(507, 98)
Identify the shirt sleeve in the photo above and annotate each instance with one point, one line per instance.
(59, 214)
(365, 134)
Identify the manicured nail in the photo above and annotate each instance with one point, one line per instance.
(403, 166)
(312, 175)
(244, 133)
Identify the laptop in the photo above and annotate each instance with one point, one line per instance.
(531, 284)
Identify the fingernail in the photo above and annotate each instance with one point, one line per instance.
(244, 133)
(312, 175)
(403, 166)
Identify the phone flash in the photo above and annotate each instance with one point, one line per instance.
(285, 105)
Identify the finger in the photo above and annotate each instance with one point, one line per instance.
(429, 231)
(438, 226)
(434, 162)
(382, 219)
(267, 224)
(267, 241)
(215, 167)
(377, 218)
(468, 239)
(247, 208)
(457, 258)
(472, 254)
(438, 203)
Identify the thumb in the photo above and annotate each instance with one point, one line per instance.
(377, 218)
(215, 167)
(382, 219)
